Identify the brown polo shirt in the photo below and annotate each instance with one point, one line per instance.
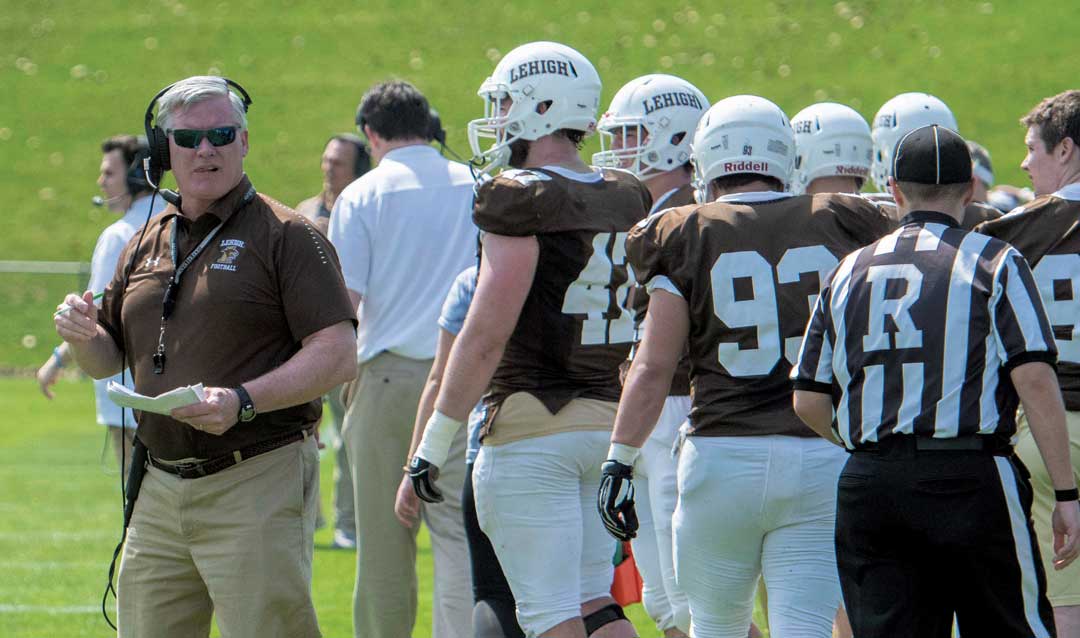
(266, 280)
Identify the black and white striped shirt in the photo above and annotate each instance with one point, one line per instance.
(919, 331)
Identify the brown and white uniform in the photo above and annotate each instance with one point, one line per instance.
(656, 492)
(1047, 233)
(196, 546)
(975, 213)
(552, 401)
(756, 486)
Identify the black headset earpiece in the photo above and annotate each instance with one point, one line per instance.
(157, 139)
(135, 178)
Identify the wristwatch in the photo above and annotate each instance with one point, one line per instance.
(247, 406)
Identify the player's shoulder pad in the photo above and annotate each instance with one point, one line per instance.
(866, 219)
(1009, 224)
(628, 179)
(512, 202)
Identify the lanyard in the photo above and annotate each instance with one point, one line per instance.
(168, 302)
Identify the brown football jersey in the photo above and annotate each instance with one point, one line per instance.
(974, 214)
(1047, 233)
(750, 270)
(575, 327)
(680, 381)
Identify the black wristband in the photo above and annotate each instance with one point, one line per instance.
(1064, 496)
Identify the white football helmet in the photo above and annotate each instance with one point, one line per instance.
(830, 140)
(530, 75)
(660, 112)
(742, 134)
(898, 117)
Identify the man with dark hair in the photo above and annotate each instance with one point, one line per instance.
(345, 158)
(404, 232)
(543, 341)
(125, 192)
(1047, 233)
(647, 130)
(924, 342)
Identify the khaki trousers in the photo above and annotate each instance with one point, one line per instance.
(381, 408)
(1062, 586)
(237, 545)
(344, 514)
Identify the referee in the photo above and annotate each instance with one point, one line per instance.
(929, 335)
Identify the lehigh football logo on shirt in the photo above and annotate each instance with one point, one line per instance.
(230, 251)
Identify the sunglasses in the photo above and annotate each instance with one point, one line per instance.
(192, 137)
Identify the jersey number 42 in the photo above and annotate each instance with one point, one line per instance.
(600, 293)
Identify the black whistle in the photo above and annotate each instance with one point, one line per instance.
(159, 361)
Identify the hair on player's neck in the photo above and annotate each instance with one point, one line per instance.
(555, 150)
(744, 183)
(660, 183)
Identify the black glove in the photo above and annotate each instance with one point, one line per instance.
(615, 500)
(424, 475)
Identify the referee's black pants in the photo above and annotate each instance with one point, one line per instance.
(921, 535)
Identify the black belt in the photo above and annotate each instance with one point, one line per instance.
(217, 464)
(988, 444)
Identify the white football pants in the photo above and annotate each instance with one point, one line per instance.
(656, 494)
(758, 505)
(536, 501)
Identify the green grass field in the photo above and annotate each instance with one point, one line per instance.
(75, 72)
(60, 519)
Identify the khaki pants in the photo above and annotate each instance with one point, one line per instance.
(1063, 587)
(381, 408)
(344, 514)
(237, 544)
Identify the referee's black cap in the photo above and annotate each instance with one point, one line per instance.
(932, 155)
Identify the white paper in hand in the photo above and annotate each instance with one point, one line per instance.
(161, 404)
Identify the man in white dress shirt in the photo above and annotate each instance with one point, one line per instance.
(403, 232)
(126, 193)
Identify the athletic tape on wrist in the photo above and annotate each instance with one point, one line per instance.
(625, 454)
(438, 434)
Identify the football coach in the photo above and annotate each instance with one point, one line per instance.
(930, 336)
(231, 289)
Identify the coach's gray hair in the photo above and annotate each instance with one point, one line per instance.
(193, 90)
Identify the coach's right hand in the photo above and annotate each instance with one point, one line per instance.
(79, 324)
(615, 501)
(1066, 524)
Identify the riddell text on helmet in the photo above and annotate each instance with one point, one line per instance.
(745, 166)
(857, 171)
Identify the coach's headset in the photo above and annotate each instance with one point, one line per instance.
(157, 162)
(154, 164)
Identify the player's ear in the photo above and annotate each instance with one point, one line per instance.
(894, 190)
(1066, 148)
(969, 195)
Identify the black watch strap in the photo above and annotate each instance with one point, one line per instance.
(247, 406)
(1064, 496)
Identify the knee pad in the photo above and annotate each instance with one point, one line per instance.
(603, 616)
(495, 619)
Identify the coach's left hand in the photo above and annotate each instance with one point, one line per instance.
(214, 415)
(1066, 524)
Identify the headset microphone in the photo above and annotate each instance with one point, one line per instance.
(98, 200)
(168, 195)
